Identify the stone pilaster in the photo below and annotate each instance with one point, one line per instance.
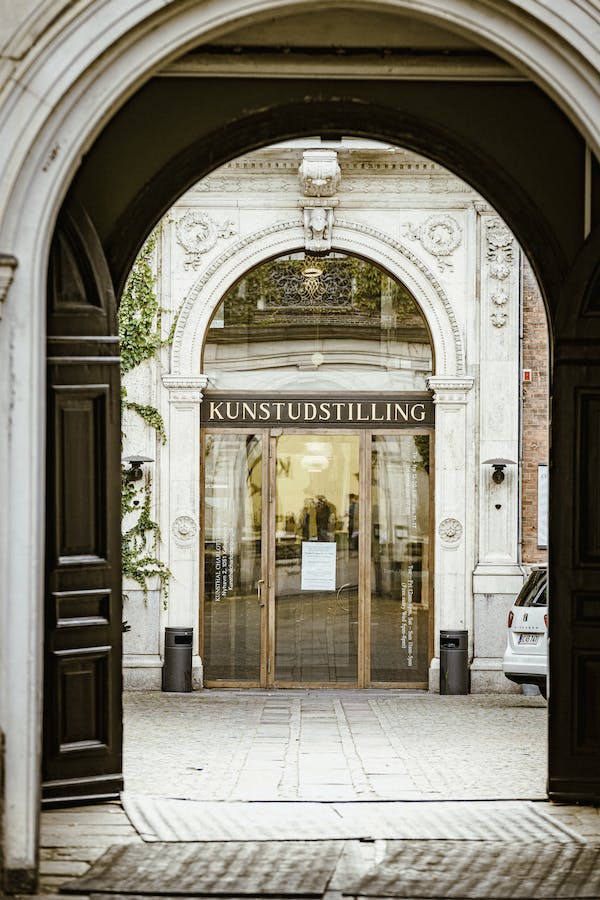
(454, 508)
(181, 502)
(497, 575)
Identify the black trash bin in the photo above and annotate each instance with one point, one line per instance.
(454, 662)
(177, 667)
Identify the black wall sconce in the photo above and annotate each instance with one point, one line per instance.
(135, 471)
(499, 466)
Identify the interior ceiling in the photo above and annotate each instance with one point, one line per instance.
(351, 28)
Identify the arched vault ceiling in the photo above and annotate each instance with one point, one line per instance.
(506, 139)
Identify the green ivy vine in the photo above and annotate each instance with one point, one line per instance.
(139, 561)
(151, 417)
(140, 335)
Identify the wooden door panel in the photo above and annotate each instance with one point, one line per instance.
(82, 679)
(80, 451)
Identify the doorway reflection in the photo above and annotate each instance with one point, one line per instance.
(316, 558)
(232, 556)
(400, 558)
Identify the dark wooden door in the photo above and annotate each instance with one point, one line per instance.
(82, 675)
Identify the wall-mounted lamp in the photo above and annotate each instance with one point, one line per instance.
(499, 466)
(135, 471)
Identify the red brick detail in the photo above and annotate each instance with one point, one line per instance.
(535, 411)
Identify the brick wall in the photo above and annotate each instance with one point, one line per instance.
(535, 410)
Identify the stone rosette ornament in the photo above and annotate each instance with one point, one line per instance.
(184, 531)
(450, 530)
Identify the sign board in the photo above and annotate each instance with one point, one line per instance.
(542, 528)
(361, 411)
(318, 566)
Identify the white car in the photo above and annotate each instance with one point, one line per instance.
(526, 656)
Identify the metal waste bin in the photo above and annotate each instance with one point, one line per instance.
(454, 662)
(177, 667)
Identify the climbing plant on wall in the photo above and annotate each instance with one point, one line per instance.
(140, 335)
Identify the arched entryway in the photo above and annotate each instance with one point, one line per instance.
(41, 171)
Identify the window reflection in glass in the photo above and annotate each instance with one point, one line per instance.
(305, 323)
(232, 556)
(400, 562)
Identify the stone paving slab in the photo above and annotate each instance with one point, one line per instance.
(335, 745)
(202, 745)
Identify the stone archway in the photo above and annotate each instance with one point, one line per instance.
(62, 91)
(451, 385)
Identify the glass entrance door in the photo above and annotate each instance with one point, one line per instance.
(234, 616)
(316, 558)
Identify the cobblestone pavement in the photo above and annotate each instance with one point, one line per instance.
(306, 745)
(335, 745)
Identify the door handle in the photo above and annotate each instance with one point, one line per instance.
(259, 585)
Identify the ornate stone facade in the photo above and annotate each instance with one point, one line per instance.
(472, 314)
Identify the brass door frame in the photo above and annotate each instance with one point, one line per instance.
(261, 682)
(269, 437)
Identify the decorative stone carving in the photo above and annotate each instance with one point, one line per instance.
(197, 233)
(185, 388)
(319, 173)
(450, 530)
(499, 315)
(8, 264)
(500, 298)
(500, 245)
(318, 226)
(200, 302)
(184, 531)
(440, 235)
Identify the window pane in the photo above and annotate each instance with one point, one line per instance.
(232, 556)
(305, 323)
(400, 558)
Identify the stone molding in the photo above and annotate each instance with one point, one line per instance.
(450, 390)
(286, 236)
(185, 389)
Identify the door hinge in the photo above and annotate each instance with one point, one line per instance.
(269, 666)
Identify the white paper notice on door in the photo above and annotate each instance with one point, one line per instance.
(318, 566)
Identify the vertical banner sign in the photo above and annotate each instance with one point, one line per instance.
(224, 562)
(407, 627)
(542, 527)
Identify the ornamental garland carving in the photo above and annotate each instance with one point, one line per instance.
(450, 530)
(197, 233)
(440, 235)
(499, 254)
(500, 245)
(184, 531)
